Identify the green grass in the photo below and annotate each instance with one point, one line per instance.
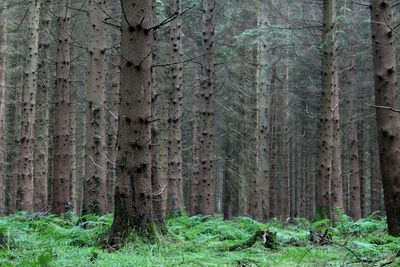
(28, 240)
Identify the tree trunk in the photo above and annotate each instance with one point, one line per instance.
(329, 73)
(27, 148)
(273, 148)
(40, 182)
(61, 192)
(175, 183)
(95, 184)
(156, 180)
(3, 40)
(133, 192)
(285, 193)
(206, 112)
(388, 122)
(194, 185)
(112, 96)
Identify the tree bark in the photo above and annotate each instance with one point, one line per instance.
(194, 185)
(206, 112)
(61, 192)
(40, 182)
(133, 193)
(95, 184)
(3, 40)
(388, 122)
(27, 141)
(329, 73)
(175, 183)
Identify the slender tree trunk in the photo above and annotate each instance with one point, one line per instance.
(95, 184)
(40, 181)
(112, 96)
(285, 193)
(273, 186)
(61, 192)
(206, 111)
(329, 72)
(355, 194)
(388, 122)
(26, 160)
(175, 183)
(194, 187)
(133, 193)
(156, 179)
(3, 40)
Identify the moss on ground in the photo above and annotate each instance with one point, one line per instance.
(35, 240)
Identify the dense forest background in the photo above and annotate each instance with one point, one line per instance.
(156, 109)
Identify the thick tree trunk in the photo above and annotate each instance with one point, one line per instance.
(206, 112)
(175, 183)
(61, 192)
(26, 159)
(133, 193)
(388, 122)
(329, 73)
(40, 181)
(95, 184)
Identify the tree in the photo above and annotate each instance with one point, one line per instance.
(3, 38)
(61, 192)
(206, 113)
(95, 184)
(25, 168)
(41, 160)
(133, 192)
(175, 183)
(329, 84)
(386, 98)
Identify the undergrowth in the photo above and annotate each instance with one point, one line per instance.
(36, 240)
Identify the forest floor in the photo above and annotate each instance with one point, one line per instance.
(33, 240)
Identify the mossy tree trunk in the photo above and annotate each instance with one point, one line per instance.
(133, 192)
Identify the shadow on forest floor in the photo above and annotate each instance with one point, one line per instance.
(27, 240)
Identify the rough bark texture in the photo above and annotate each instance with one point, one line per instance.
(194, 183)
(133, 192)
(40, 181)
(262, 98)
(27, 141)
(112, 94)
(206, 113)
(285, 193)
(3, 39)
(354, 183)
(273, 147)
(61, 192)
(156, 180)
(388, 122)
(329, 70)
(175, 183)
(95, 184)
